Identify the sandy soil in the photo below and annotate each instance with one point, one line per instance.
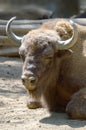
(14, 115)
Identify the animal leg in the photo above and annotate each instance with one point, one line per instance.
(76, 108)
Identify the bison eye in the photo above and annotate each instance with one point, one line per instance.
(22, 57)
(49, 57)
(48, 60)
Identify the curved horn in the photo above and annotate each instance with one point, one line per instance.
(10, 34)
(70, 42)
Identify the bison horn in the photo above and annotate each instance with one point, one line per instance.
(10, 34)
(61, 45)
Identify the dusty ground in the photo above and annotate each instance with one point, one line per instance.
(14, 114)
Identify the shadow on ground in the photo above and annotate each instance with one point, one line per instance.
(62, 119)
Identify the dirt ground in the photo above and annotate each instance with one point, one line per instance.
(14, 115)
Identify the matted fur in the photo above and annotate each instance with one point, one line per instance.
(59, 73)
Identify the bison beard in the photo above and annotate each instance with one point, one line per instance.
(54, 75)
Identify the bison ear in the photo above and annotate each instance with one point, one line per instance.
(63, 53)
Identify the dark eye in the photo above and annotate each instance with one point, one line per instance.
(48, 59)
(22, 57)
(22, 52)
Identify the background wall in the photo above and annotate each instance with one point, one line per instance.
(61, 8)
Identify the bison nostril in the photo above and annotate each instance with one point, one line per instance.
(23, 80)
(32, 80)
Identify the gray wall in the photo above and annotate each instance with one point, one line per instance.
(62, 8)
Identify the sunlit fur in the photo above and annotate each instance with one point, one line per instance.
(61, 75)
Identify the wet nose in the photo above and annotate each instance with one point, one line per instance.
(31, 79)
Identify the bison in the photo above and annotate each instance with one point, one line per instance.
(54, 66)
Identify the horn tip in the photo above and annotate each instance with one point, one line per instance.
(13, 18)
(72, 22)
(9, 22)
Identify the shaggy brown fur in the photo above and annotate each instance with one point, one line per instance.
(59, 73)
(63, 28)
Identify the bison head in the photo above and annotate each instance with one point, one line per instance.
(39, 49)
